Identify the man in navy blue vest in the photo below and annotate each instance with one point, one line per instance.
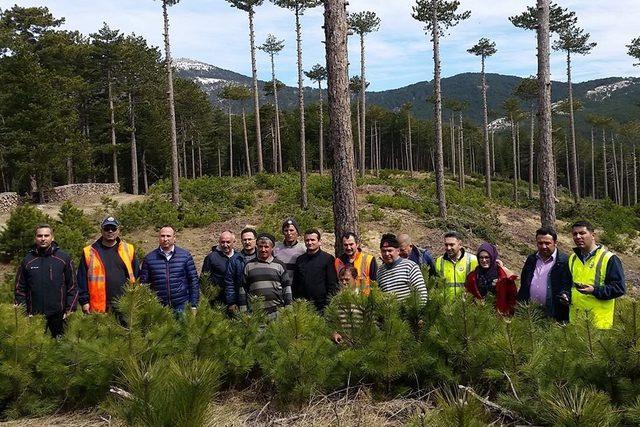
(171, 273)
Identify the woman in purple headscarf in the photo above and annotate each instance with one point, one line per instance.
(492, 277)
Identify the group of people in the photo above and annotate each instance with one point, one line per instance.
(587, 280)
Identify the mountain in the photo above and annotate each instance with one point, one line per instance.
(618, 97)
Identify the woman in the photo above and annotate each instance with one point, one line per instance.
(492, 277)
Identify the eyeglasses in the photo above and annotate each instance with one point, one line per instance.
(110, 228)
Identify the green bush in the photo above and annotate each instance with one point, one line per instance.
(16, 238)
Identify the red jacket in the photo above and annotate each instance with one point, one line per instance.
(505, 290)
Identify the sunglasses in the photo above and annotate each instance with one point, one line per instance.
(110, 228)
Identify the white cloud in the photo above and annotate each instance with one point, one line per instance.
(398, 54)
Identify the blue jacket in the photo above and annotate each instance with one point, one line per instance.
(423, 257)
(224, 272)
(175, 282)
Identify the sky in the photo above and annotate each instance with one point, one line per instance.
(398, 54)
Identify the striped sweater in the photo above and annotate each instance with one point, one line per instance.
(400, 277)
(267, 279)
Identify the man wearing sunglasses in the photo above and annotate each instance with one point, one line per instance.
(106, 266)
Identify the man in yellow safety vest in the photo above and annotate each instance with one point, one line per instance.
(598, 277)
(456, 263)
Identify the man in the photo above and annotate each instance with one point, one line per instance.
(315, 276)
(598, 277)
(546, 279)
(216, 265)
(266, 277)
(45, 282)
(398, 275)
(106, 266)
(456, 264)
(413, 253)
(248, 238)
(353, 256)
(289, 249)
(171, 273)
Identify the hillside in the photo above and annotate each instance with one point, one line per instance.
(614, 96)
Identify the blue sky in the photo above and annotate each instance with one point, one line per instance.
(397, 55)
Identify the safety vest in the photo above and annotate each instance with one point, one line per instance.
(455, 273)
(362, 263)
(592, 273)
(97, 276)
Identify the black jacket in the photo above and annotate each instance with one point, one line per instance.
(315, 278)
(559, 282)
(46, 283)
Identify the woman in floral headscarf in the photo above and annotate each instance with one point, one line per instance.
(492, 277)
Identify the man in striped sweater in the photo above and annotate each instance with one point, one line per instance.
(266, 277)
(398, 275)
(290, 248)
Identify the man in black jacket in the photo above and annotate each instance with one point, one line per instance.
(315, 276)
(546, 279)
(45, 282)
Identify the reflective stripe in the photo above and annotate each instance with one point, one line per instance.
(593, 273)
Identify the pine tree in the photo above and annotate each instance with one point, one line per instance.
(273, 46)
(438, 16)
(634, 49)
(318, 74)
(573, 40)
(345, 210)
(248, 6)
(298, 7)
(485, 48)
(363, 23)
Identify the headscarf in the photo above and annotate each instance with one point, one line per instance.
(485, 277)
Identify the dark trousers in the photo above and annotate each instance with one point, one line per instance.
(55, 324)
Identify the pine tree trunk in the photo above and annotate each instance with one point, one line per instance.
(145, 176)
(485, 135)
(635, 177)
(363, 128)
(256, 100)
(112, 125)
(219, 164)
(614, 163)
(230, 143)
(626, 180)
(378, 159)
(199, 160)
(574, 157)
(461, 153)
(440, 190)
(185, 170)
(568, 168)
(134, 148)
(604, 165)
(175, 182)
(303, 149)
(321, 133)
(515, 161)
(274, 149)
(193, 160)
(547, 177)
(518, 151)
(345, 209)
(246, 142)
(621, 173)
(531, 148)
(372, 153)
(358, 149)
(452, 129)
(69, 170)
(409, 151)
(493, 153)
(593, 165)
(275, 101)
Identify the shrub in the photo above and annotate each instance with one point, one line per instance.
(16, 238)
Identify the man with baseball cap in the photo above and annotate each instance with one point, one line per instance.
(398, 275)
(105, 267)
(289, 249)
